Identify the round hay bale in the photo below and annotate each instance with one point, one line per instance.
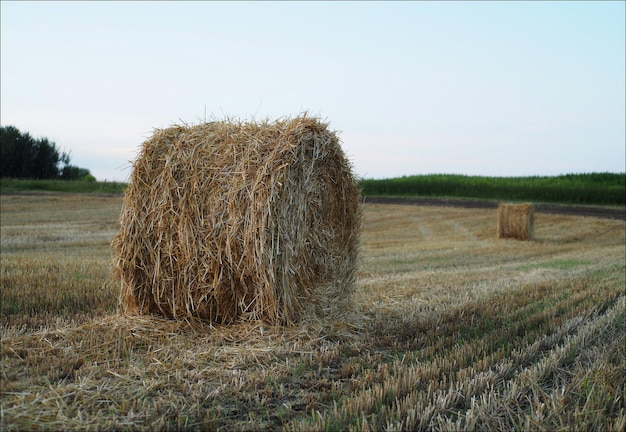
(516, 221)
(239, 221)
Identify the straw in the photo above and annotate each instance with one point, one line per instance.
(516, 221)
(239, 221)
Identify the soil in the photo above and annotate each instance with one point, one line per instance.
(589, 211)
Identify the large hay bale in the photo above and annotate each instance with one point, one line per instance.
(516, 221)
(237, 221)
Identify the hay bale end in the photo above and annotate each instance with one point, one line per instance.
(239, 221)
(516, 221)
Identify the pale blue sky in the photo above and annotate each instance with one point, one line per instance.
(485, 88)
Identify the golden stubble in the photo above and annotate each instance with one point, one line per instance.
(452, 328)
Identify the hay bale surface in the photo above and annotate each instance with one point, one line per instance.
(239, 221)
(516, 221)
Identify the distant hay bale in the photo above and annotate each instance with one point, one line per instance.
(516, 221)
(239, 221)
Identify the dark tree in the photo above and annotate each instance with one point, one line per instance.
(22, 156)
(71, 172)
(46, 159)
(16, 153)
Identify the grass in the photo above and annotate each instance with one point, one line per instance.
(74, 186)
(451, 329)
(606, 189)
(591, 188)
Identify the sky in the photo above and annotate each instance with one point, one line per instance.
(475, 88)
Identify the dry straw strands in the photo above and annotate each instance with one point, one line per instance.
(516, 221)
(239, 221)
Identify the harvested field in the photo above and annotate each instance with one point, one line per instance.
(451, 329)
(604, 212)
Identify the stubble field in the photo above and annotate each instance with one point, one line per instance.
(451, 328)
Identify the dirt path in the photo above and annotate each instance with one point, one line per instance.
(591, 211)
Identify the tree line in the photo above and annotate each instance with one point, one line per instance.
(24, 157)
